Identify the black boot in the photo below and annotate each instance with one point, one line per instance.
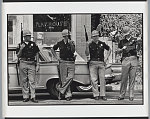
(26, 100)
(34, 100)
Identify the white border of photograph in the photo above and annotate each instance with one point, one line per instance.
(74, 110)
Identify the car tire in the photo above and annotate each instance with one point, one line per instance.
(52, 88)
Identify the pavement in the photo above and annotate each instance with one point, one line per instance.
(79, 98)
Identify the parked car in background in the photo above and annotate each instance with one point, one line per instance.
(48, 78)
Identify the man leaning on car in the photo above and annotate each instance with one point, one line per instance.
(97, 64)
(66, 62)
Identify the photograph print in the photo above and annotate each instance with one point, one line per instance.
(75, 59)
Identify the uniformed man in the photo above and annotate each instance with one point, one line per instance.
(27, 52)
(127, 47)
(66, 62)
(97, 64)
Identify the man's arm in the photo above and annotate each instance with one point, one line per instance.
(20, 50)
(37, 62)
(107, 55)
(120, 50)
(72, 46)
(37, 58)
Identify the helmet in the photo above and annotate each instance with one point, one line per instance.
(95, 33)
(26, 33)
(65, 32)
(126, 30)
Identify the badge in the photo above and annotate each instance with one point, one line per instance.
(101, 45)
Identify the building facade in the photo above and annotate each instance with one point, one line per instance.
(46, 30)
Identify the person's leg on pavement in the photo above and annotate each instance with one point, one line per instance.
(102, 81)
(70, 76)
(124, 78)
(32, 82)
(24, 82)
(94, 78)
(132, 76)
(63, 74)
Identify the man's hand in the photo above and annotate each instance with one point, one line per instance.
(71, 42)
(22, 46)
(87, 43)
(57, 58)
(37, 67)
(105, 61)
(124, 47)
(121, 50)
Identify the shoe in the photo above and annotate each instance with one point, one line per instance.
(68, 98)
(34, 100)
(26, 100)
(104, 98)
(131, 98)
(120, 98)
(96, 98)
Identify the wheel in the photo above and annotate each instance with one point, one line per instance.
(52, 88)
(84, 88)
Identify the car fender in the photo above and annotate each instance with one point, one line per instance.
(52, 77)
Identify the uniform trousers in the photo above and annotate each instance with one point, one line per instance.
(27, 77)
(97, 71)
(67, 71)
(129, 66)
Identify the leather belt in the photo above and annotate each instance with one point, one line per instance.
(128, 55)
(96, 59)
(68, 59)
(28, 59)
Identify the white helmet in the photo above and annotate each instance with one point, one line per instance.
(95, 33)
(26, 33)
(126, 30)
(65, 32)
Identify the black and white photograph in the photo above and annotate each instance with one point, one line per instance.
(75, 59)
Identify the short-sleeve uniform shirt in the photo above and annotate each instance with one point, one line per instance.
(65, 49)
(29, 51)
(132, 42)
(97, 50)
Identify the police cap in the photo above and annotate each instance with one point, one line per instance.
(126, 30)
(95, 33)
(26, 33)
(65, 32)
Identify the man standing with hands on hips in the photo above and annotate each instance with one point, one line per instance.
(27, 52)
(97, 64)
(127, 47)
(66, 63)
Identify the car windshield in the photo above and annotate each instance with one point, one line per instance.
(46, 54)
